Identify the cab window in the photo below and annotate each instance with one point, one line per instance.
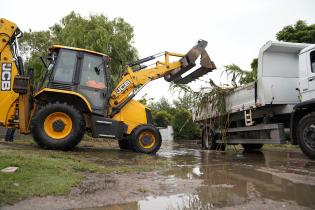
(93, 72)
(312, 55)
(65, 66)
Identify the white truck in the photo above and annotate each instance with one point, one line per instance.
(277, 108)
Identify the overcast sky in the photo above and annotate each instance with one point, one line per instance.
(234, 29)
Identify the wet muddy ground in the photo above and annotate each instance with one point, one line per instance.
(197, 179)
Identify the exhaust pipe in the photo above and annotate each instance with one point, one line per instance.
(189, 61)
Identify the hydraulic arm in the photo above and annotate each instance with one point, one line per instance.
(138, 75)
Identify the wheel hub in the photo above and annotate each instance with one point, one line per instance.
(58, 125)
(147, 140)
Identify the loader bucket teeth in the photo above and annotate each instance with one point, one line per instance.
(189, 61)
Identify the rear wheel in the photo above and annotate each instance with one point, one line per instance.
(306, 135)
(208, 140)
(58, 126)
(146, 139)
(251, 147)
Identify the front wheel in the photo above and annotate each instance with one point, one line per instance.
(57, 126)
(146, 139)
(306, 135)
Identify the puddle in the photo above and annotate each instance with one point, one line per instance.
(235, 178)
(178, 201)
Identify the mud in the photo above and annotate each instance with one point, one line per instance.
(199, 180)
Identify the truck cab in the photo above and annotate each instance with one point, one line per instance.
(307, 73)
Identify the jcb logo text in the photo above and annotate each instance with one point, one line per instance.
(6, 76)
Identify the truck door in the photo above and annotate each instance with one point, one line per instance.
(307, 84)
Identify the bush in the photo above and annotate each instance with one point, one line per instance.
(183, 125)
(162, 119)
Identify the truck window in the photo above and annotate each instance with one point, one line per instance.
(313, 61)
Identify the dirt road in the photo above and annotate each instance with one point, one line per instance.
(197, 179)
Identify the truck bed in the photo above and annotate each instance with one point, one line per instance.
(276, 85)
(240, 99)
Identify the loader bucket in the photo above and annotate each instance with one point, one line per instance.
(188, 62)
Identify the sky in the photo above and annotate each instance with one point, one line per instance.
(234, 29)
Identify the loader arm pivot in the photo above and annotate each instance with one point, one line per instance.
(138, 75)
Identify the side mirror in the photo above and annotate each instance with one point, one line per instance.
(97, 70)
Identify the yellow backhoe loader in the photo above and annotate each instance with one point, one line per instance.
(75, 94)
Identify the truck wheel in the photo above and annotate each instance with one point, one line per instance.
(306, 135)
(251, 147)
(145, 139)
(57, 126)
(124, 144)
(208, 140)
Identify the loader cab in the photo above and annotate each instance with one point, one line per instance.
(81, 71)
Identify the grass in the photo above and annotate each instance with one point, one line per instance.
(45, 172)
(38, 176)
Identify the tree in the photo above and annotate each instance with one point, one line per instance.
(162, 119)
(97, 33)
(162, 105)
(299, 32)
(183, 102)
(243, 76)
(144, 100)
(183, 125)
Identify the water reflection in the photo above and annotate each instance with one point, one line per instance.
(232, 178)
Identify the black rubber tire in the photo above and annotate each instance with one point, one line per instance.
(124, 144)
(252, 147)
(66, 143)
(208, 140)
(9, 135)
(134, 140)
(303, 125)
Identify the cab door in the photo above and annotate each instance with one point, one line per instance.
(311, 75)
(92, 82)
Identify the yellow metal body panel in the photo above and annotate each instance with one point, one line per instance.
(76, 49)
(65, 92)
(8, 98)
(133, 114)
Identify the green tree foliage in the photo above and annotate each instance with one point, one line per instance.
(183, 102)
(183, 125)
(97, 33)
(162, 119)
(242, 76)
(145, 100)
(165, 113)
(299, 32)
(162, 105)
